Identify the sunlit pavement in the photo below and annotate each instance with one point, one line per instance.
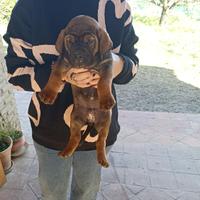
(156, 157)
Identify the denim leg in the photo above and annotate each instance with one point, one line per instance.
(54, 174)
(86, 176)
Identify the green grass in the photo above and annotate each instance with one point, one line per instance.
(175, 45)
(146, 20)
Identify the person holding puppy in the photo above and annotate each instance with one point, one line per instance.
(31, 35)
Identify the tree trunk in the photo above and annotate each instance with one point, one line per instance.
(163, 15)
(8, 113)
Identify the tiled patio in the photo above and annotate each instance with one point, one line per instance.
(157, 157)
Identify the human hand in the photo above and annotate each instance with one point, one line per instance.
(82, 77)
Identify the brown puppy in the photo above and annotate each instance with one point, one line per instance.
(84, 44)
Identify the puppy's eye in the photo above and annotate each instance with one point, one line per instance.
(89, 39)
(69, 39)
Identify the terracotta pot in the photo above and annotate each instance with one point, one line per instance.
(5, 155)
(18, 143)
(2, 175)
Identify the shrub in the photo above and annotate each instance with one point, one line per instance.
(14, 134)
(3, 144)
(6, 9)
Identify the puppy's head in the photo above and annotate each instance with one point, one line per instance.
(83, 41)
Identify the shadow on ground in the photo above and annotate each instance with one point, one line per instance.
(158, 89)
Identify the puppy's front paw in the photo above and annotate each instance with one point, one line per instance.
(107, 103)
(47, 97)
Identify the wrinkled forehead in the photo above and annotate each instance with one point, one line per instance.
(82, 25)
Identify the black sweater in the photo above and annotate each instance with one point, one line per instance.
(31, 36)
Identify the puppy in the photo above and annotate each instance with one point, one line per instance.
(84, 44)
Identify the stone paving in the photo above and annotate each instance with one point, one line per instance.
(156, 157)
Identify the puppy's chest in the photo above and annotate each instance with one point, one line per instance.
(89, 93)
(89, 97)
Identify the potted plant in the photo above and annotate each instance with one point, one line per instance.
(5, 151)
(19, 144)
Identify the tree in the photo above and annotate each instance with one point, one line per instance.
(165, 5)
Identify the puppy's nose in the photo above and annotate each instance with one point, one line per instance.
(79, 57)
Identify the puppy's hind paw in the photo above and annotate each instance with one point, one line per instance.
(102, 160)
(63, 154)
(104, 163)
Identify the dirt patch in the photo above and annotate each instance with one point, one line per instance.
(158, 89)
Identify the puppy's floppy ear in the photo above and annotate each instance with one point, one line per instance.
(105, 43)
(60, 41)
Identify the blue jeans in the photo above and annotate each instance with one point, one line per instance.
(77, 177)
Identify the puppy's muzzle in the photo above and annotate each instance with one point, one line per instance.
(80, 57)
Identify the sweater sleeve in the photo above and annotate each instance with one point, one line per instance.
(128, 53)
(24, 71)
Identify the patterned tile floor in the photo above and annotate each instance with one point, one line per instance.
(156, 157)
